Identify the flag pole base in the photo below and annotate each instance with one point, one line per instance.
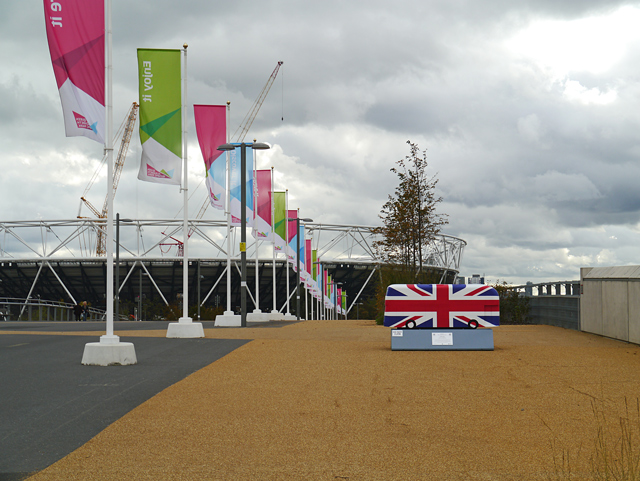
(109, 352)
(289, 317)
(257, 316)
(275, 316)
(185, 328)
(228, 319)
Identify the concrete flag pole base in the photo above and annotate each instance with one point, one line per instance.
(257, 316)
(109, 352)
(228, 319)
(275, 316)
(185, 328)
(289, 317)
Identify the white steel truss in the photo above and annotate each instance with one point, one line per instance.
(75, 239)
(159, 240)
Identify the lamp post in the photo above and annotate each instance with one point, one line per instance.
(298, 219)
(243, 219)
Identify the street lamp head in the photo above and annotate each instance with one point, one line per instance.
(254, 145)
(293, 219)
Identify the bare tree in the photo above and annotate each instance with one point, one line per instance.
(409, 217)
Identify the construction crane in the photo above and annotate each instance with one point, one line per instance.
(247, 122)
(128, 125)
(239, 135)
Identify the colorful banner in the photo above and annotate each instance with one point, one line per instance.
(160, 116)
(262, 228)
(211, 128)
(301, 255)
(279, 219)
(75, 32)
(291, 234)
(314, 265)
(308, 280)
(235, 185)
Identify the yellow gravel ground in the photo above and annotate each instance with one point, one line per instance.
(327, 400)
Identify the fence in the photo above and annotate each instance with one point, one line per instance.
(35, 309)
(553, 303)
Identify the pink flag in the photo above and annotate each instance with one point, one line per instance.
(292, 224)
(262, 225)
(211, 128)
(75, 32)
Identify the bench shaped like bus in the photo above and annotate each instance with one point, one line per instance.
(443, 306)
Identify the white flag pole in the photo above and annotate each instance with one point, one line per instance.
(228, 318)
(185, 327)
(185, 228)
(109, 351)
(110, 337)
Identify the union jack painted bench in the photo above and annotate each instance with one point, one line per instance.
(444, 306)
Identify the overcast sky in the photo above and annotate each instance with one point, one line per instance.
(529, 112)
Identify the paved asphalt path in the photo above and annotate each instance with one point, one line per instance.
(50, 404)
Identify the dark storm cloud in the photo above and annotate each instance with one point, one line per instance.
(536, 166)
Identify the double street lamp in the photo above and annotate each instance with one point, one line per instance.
(243, 219)
(298, 219)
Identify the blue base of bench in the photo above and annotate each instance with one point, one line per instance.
(442, 339)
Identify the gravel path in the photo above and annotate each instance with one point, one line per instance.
(329, 400)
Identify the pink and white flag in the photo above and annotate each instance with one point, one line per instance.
(75, 32)
(211, 128)
(262, 225)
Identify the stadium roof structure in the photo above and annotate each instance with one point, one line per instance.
(56, 260)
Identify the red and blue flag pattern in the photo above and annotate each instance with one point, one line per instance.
(441, 306)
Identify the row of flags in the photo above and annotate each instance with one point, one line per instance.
(76, 37)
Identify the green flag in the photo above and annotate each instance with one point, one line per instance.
(314, 264)
(160, 116)
(279, 221)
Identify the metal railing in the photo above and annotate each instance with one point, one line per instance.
(553, 303)
(36, 309)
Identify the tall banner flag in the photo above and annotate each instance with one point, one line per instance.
(291, 230)
(211, 128)
(301, 252)
(262, 226)
(75, 32)
(279, 218)
(235, 187)
(314, 264)
(307, 264)
(160, 116)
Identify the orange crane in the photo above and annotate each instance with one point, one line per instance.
(128, 124)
